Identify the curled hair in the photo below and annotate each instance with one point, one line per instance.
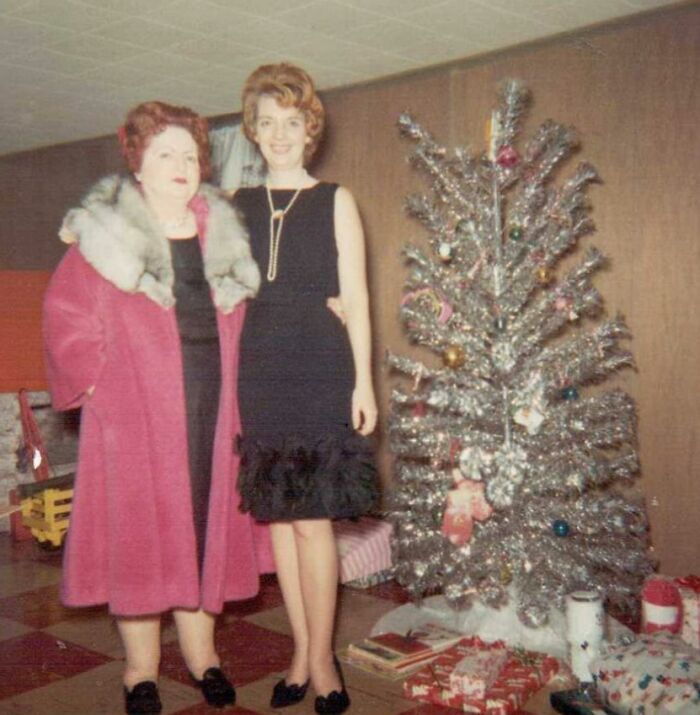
(291, 86)
(146, 120)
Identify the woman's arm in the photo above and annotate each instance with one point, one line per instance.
(354, 299)
(73, 333)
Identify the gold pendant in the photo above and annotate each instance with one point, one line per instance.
(277, 214)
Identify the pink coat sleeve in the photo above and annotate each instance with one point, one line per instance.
(73, 332)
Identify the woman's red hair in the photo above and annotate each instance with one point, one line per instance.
(150, 118)
(291, 86)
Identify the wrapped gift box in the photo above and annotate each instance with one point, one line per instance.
(689, 588)
(658, 674)
(477, 671)
(364, 549)
(522, 674)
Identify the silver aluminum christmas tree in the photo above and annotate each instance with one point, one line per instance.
(512, 470)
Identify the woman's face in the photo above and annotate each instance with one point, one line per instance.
(170, 166)
(281, 134)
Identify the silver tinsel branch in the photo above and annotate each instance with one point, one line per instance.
(509, 454)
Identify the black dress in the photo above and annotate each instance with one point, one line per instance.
(300, 457)
(201, 364)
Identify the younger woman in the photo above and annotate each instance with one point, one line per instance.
(305, 386)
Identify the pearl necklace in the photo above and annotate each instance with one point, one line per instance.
(276, 233)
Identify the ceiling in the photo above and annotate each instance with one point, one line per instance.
(69, 69)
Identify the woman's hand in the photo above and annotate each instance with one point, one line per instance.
(336, 307)
(364, 409)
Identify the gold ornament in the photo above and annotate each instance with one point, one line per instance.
(453, 356)
(505, 576)
(544, 275)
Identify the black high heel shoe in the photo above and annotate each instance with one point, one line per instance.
(337, 701)
(142, 699)
(284, 695)
(216, 688)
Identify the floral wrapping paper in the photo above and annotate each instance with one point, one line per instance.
(522, 674)
(658, 674)
(689, 588)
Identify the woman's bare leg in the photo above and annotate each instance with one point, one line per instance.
(287, 563)
(318, 575)
(195, 632)
(141, 639)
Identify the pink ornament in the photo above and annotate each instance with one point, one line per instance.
(445, 312)
(562, 303)
(438, 304)
(661, 606)
(507, 157)
(465, 504)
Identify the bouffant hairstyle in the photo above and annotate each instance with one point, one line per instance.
(291, 86)
(150, 118)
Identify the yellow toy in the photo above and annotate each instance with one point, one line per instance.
(46, 507)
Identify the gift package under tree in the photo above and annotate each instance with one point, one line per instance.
(479, 677)
(658, 674)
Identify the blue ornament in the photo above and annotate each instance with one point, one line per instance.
(569, 393)
(515, 233)
(561, 527)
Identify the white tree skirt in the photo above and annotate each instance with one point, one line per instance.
(489, 624)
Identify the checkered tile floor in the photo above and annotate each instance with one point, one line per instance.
(58, 661)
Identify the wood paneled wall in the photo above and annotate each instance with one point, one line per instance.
(633, 91)
(37, 188)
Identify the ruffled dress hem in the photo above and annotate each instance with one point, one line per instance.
(293, 477)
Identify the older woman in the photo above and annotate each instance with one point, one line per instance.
(307, 402)
(142, 323)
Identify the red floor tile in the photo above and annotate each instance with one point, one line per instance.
(269, 596)
(248, 652)
(38, 608)
(37, 659)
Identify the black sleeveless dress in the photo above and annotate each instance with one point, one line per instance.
(300, 457)
(201, 364)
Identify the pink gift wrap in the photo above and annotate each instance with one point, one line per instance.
(477, 671)
(522, 674)
(364, 547)
(658, 674)
(689, 588)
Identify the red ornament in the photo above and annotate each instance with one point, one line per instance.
(419, 409)
(507, 157)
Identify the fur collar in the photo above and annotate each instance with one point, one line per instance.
(121, 240)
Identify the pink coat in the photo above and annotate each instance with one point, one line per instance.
(110, 322)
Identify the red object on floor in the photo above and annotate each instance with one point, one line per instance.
(18, 530)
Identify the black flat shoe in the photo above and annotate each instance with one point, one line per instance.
(284, 695)
(337, 701)
(216, 688)
(142, 699)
